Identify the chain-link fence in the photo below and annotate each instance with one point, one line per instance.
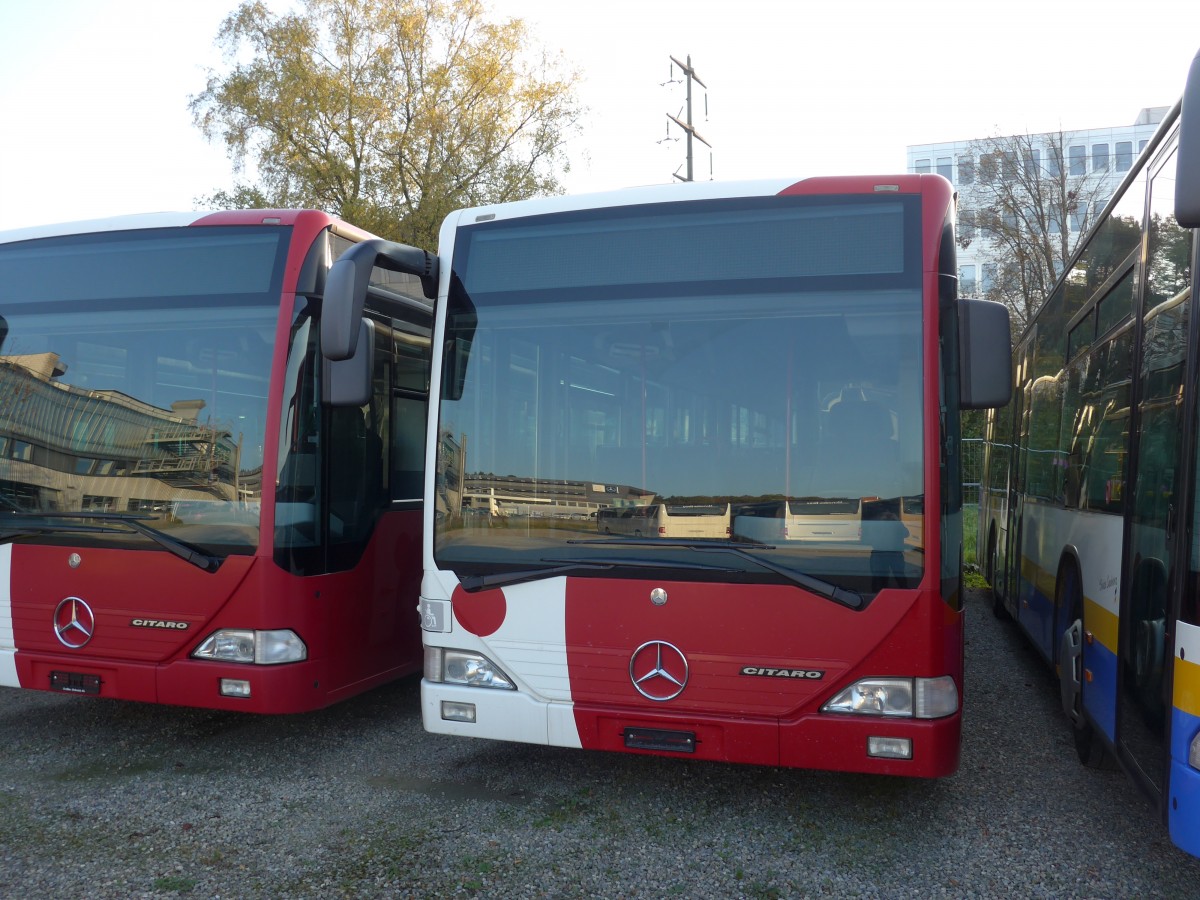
(972, 469)
(972, 476)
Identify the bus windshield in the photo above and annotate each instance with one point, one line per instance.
(716, 371)
(133, 382)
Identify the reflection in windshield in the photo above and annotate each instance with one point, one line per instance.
(122, 414)
(151, 402)
(797, 430)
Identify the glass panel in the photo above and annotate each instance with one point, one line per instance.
(134, 377)
(966, 170)
(1154, 532)
(1078, 160)
(1124, 155)
(781, 406)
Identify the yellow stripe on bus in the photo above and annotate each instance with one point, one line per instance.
(1101, 624)
(1186, 693)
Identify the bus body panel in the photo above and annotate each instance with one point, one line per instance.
(357, 627)
(1184, 784)
(569, 643)
(757, 674)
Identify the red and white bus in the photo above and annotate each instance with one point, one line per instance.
(210, 476)
(1090, 520)
(744, 344)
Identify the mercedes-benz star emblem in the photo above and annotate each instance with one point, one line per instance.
(658, 670)
(74, 623)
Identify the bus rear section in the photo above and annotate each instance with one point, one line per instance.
(773, 357)
(198, 505)
(667, 520)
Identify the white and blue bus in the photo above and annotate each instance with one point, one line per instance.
(1089, 528)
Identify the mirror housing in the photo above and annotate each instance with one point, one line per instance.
(1187, 170)
(985, 354)
(347, 283)
(348, 381)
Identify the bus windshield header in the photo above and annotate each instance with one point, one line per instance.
(695, 246)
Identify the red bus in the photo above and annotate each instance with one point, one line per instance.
(209, 485)
(747, 347)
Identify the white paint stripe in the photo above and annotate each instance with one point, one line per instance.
(1187, 642)
(8, 645)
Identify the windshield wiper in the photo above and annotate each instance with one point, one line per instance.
(185, 551)
(569, 566)
(819, 586)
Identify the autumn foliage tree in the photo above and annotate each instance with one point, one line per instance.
(388, 113)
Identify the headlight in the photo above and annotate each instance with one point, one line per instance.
(1194, 753)
(241, 645)
(921, 698)
(462, 667)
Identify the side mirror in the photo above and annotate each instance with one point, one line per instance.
(348, 381)
(347, 283)
(1187, 170)
(985, 354)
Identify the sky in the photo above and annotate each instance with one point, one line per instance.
(94, 93)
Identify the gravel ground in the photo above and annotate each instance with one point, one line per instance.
(104, 799)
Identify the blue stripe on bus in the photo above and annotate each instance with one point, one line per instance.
(1037, 618)
(1183, 809)
(1100, 694)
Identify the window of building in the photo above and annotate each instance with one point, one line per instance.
(1142, 145)
(1124, 155)
(1033, 162)
(1010, 165)
(921, 167)
(945, 167)
(987, 280)
(1077, 158)
(1054, 162)
(1099, 157)
(966, 225)
(966, 170)
(987, 168)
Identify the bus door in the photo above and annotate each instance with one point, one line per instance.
(1153, 556)
(1014, 583)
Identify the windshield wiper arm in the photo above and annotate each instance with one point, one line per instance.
(819, 586)
(569, 565)
(499, 579)
(185, 551)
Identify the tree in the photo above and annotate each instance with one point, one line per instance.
(1030, 200)
(388, 113)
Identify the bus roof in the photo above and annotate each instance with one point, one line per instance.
(168, 220)
(667, 193)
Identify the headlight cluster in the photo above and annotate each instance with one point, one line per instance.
(920, 698)
(242, 645)
(463, 667)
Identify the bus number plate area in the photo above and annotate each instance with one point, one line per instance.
(659, 739)
(74, 682)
